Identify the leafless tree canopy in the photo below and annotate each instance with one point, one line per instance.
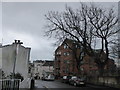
(83, 25)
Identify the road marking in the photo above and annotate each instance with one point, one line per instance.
(47, 87)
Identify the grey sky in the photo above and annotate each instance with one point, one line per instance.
(25, 21)
(0, 22)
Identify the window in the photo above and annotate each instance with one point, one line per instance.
(77, 46)
(29, 70)
(57, 59)
(74, 41)
(82, 62)
(82, 69)
(65, 46)
(66, 61)
(81, 47)
(65, 71)
(66, 54)
(82, 54)
(59, 53)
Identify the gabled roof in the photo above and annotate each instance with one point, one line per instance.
(67, 40)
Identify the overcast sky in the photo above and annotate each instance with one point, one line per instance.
(25, 21)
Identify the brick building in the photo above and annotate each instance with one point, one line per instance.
(88, 66)
(65, 62)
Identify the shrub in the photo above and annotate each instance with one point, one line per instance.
(16, 76)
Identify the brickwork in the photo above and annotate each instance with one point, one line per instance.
(65, 62)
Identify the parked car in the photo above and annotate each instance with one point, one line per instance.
(49, 78)
(65, 79)
(77, 81)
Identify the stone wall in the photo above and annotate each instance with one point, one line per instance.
(25, 84)
(111, 81)
(0, 84)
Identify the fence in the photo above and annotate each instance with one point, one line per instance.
(112, 81)
(10, 84)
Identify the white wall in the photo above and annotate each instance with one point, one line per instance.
(8, 57)
(0, 57)
(25, 84)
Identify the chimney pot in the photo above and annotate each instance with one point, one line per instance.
(15, 41)
(18, 41)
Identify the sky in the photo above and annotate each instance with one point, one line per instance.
(25, 21)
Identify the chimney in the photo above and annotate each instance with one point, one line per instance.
(18, 41)
(15, 41)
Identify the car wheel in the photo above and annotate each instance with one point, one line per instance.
(75, 84)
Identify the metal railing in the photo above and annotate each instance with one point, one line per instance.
(10, 84)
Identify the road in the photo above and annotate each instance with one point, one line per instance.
(48, 85)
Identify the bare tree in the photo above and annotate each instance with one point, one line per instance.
(104, 23)
(114, 50)
(72, 24)
(83, 25)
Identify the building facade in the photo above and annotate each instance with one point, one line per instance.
(15, 58)
(65, 62)
(0, 56)
(42, 68)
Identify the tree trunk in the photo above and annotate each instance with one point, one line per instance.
(101, 70)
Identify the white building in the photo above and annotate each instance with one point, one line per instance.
(0, 56)
(42, 68)
(18, 55)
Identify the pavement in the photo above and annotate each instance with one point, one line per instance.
(49, 85)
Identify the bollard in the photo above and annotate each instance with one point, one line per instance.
(32, 84)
